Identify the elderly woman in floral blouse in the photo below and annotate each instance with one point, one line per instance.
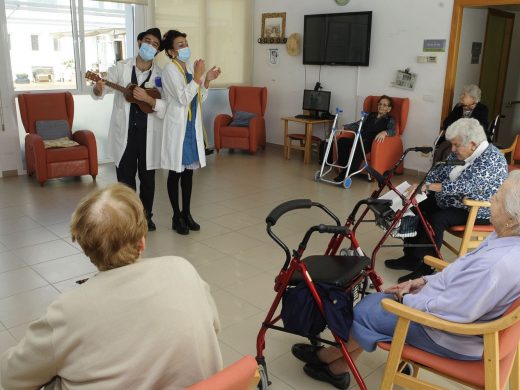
(484, 171)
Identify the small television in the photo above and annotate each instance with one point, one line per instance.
(316, 101)
(337, 39)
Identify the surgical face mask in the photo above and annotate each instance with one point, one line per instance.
(147, 52)
(184, 54)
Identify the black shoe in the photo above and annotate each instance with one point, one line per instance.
(420, 271)
(151, 225)
(404, 262)
(191, 223)
(307, 353)
(322, 373)
(207, 151)
(179, 225)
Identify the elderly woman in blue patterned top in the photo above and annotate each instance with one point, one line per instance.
(484, 171)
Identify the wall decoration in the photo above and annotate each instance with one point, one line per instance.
(476, 49)
(274, 56)
(434, 45)
(404, 79)
(273, 28)
(293, 44)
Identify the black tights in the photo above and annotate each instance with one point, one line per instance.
(186, 179)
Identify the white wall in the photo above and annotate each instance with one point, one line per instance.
(398, 30)
(473, 30)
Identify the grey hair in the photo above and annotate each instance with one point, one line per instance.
(511, 199)
(468, 129)
(473, 91)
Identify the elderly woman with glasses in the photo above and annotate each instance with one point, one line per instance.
(469, 106)
(484, 171)
(477, 287)
(376, 126)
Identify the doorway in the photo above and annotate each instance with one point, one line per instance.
(494, 66)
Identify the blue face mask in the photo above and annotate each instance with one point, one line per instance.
(184, 54)
(147, 52)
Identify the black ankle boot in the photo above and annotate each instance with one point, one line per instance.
(179, 225)
(190, 222)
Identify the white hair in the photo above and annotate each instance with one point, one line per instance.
(473, 91)
(468, 129)
(511, 199)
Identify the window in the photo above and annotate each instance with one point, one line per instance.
(220, 31)
(34, 43)
(56, 57)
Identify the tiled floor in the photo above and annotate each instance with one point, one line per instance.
(232, 197)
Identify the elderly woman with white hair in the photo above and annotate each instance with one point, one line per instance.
(469, 106)
(479, 286)
(484, 171)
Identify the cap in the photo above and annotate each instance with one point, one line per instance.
(151, 31)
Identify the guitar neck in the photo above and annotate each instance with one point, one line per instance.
(116, 87)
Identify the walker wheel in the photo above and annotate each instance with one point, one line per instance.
(264, 383)
(317, 176)
(347, 183)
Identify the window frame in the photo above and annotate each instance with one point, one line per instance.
(78, 37)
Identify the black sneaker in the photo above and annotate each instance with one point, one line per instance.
(322, 373)
(151, 225)
(420, 271)
(307, 353)
(404, 262)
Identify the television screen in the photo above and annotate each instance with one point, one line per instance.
(316, 100)
(337, 39)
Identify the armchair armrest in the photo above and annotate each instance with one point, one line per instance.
(221, 120)
(37, 158)
(436, 263)
(257, 133)
(383, 155)
(87, 138)
(476, 203)
(430, 320)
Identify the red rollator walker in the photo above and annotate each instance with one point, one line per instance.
(351, 272)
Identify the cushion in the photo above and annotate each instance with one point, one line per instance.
(64, 142)
(52, 129)
(241, 119)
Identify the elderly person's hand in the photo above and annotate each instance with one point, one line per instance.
(380, 137)
(410, 286)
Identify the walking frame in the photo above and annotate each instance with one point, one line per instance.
(327, 167)
(351, 271)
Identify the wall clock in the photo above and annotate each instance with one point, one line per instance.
(342, 2)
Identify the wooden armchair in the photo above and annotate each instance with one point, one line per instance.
(499, 365)
(241, 375)
(514, 151)
(471, 235)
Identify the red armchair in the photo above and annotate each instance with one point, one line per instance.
(385, 154)
(55, 162)
(246, 99)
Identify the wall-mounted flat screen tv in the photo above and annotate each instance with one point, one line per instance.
(337, 39)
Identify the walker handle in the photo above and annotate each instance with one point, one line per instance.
(342, 230)
(285, 207)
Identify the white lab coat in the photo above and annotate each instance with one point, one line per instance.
(121, 74)
(178, 96)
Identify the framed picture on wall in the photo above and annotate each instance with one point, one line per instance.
(273, 27)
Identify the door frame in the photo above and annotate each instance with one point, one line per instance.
(454, 44)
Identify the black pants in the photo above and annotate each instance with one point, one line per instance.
(440, 220)
(134, 161)
(186, 180)
(344, 150)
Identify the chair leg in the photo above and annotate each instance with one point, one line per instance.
(93, 177)
(514, 379)
(394, 357)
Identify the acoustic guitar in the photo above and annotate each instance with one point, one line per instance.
(128, 91)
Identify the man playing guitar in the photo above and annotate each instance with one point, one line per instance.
(135, 133)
